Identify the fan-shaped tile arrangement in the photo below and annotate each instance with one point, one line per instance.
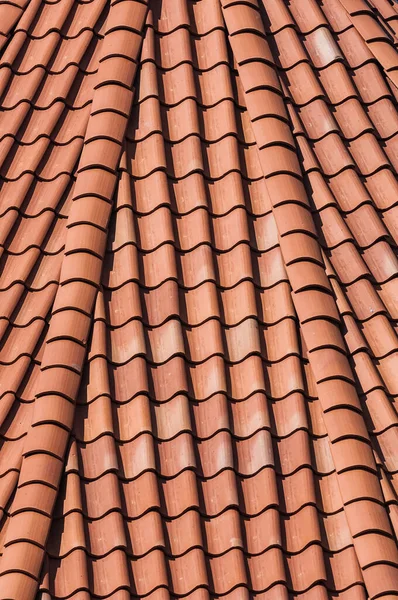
(198, 299)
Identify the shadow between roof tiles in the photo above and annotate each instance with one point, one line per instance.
(198, 283)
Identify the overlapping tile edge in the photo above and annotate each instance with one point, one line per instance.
(59, 379)
(325, 375)
(334, 378)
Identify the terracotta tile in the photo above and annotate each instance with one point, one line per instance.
(218, 422)
(354, 47)
(307, 16)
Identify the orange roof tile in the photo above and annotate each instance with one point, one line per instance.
(198, 299)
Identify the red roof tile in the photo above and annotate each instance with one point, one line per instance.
(198, 267)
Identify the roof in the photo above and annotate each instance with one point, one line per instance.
(198, 299)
